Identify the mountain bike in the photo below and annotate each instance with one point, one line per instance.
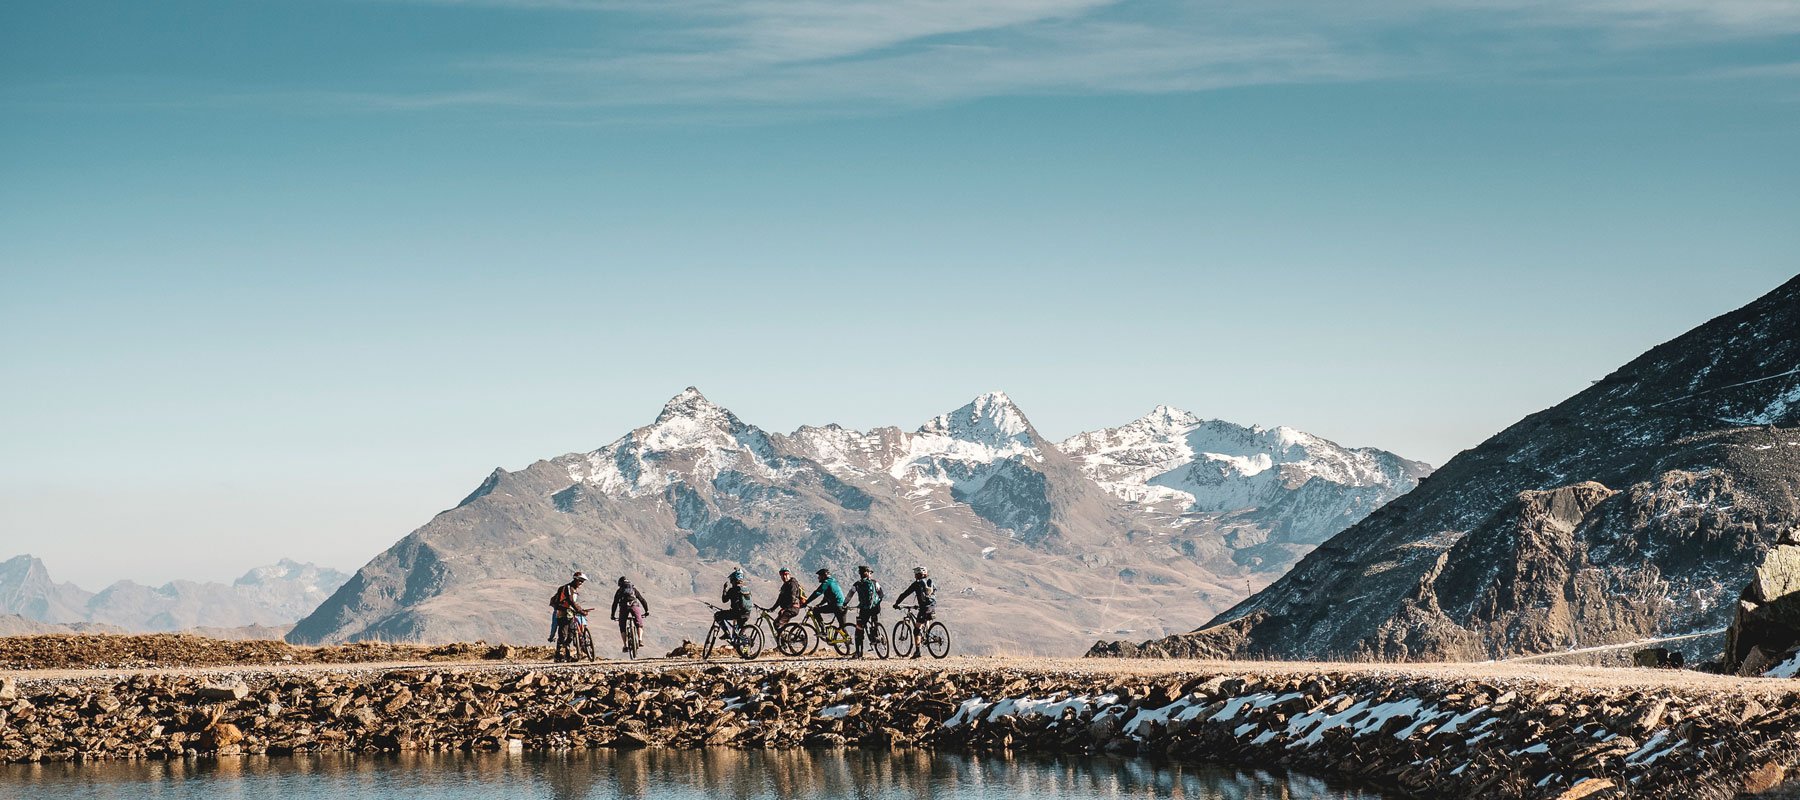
(909, 636)
(747, 640)
(790, 640)
(580, 643)
(634, 634)
(816, 631)
(876, 637)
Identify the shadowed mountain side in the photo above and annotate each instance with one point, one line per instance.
(1637, 508)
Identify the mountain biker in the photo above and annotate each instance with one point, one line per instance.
(736, 598)
(866, 594)
(791, 599)
(830, 596)
(927, 594)
(628, 603)
(567, 606)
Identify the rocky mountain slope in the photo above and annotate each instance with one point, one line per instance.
(1030, 551)
(1639, 508)
(274, 595)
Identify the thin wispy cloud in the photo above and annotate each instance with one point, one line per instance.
(825, 53)
(708, 57)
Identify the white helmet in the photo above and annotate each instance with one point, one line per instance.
(918, 570)
(581, 576)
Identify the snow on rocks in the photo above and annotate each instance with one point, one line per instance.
(1427, 738)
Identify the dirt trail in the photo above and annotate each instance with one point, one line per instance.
(1498, 672)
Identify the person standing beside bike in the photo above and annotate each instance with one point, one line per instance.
(567, 606)
(830, 596)
(791, 599)
(927, 594)
(629, 605)
(736, 598)
(866, 594)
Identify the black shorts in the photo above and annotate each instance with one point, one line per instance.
(866, 616)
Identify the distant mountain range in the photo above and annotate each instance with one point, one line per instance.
(272, 596)
(1639, 508)
(1035, 546)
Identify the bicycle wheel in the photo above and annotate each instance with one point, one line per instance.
(793, 639)
(584, 644)
(633, 639)
(878, 640)
(712, 638)
(749, 643)
(903, 639)
(937, 640)
(839, 638)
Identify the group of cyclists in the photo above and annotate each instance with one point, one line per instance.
(629, 608)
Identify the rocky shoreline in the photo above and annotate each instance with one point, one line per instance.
(1410, 734)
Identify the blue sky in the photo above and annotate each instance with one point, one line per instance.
(286, 278)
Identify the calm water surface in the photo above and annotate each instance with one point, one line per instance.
(657, 775)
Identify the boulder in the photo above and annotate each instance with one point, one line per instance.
(228, 692)
(1766, 625)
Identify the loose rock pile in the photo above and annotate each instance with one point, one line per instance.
(149, 651)
(1423, 737)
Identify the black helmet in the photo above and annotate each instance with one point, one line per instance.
(864, 569)
(823, 572)
(623, 582)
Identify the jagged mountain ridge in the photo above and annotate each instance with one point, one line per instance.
(1010, 523)
(1222, 473)
(273, 595)
(1636, 509)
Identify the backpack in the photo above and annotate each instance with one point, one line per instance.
(560, 600)
(868, 593)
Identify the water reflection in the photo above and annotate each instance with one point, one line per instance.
(657, 774)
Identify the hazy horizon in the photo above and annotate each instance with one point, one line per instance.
(285, 279)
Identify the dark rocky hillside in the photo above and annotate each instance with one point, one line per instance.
(1636, 509)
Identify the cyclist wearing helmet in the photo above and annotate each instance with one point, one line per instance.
(791, 599)
(566, 605)
(830, 596)
(866, 594)
(736, 597)
(927, 594)
(628, 603)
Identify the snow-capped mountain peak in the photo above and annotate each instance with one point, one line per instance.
(1211, 466)
(691, 404)
(1163, 419)
(991, 419)
(692, 437)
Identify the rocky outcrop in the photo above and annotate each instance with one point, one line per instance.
(1634, 510)
(1765, 630)
(1424, 736)
(1217, 642)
